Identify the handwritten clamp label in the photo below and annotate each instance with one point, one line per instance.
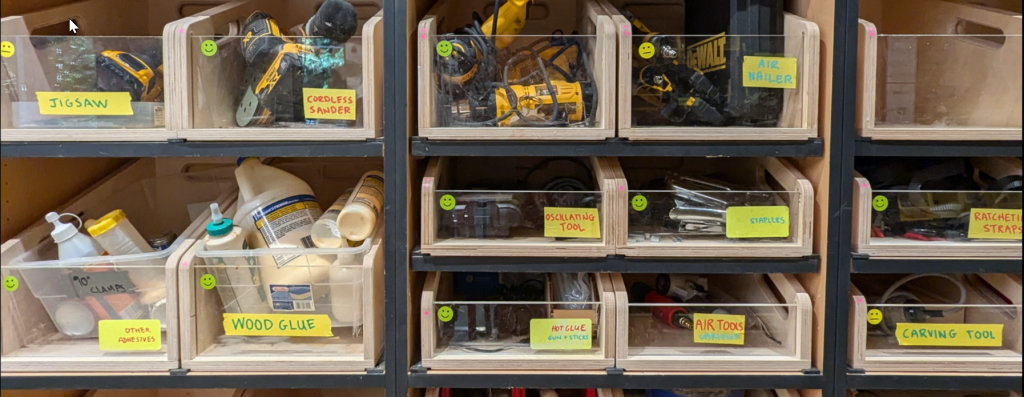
(572, 222)
(757, 222)
(769, 72)
(957, 335)
(995, 224)
(720, 329)
(85, 103)
(129, 335)
(329, 103)
(561, 334)
(303, 325)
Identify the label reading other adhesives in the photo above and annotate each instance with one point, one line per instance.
(85, 103)
(956, 335)
(329, 103)
(572, 222)
(303, 325)
(720, 329)
(129, 335)
(757, 222)
(292, 298)
(561, 334)
(288, 223)
(995, 224)
(769, 72)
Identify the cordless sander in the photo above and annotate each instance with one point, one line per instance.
(277, 68)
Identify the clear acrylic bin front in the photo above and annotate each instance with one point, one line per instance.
(914, 329)
(499, 328)
(938, 217)
(298, 282)
(682, 216)
(521, 81)
(518, 216)
(84, 82)
(78, 294)
(681, 330)
(319, 84)
(917, 87)
(717, 81)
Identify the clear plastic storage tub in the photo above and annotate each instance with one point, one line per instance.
(322, 311)
(112, 312)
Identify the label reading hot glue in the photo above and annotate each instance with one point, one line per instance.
(85, 103)
(329, 103)
(721, 329)
(572, 222)
(561, 334)
(129, 335)
(288, 222)
(995, 224)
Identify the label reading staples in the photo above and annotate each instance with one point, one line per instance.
(757, 222)
(572, 222)
(85, 103)
(329, 103)
(720, 329)
(995, 224)
(129, 335)
(561, 334)
(769, 72)
(292, 298)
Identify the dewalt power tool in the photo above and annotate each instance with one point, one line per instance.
(277, 68)
(140, 75)
(483, 82)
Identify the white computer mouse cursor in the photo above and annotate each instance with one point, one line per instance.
(72, 27)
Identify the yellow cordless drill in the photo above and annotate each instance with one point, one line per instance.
(142, 76)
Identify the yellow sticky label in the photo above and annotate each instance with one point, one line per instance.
(85, 103)
(329, 103)
(129, 335)
(995, 224)
(769, 72)
(572, 222)
(757, 222)
(561, 334)
(958, 335)
(306, 325)
(719, 329)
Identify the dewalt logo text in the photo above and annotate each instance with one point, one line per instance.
(708, 55)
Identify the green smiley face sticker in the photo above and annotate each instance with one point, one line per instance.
(208, 282)
(639, 202)
(445, 314)
(447, 202)
(11, 283)
(646, 50)
(444, 48)
(209, 48)
(880, 203)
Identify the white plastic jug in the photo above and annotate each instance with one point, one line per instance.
(278, 210)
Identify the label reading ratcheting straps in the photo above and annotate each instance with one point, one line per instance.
(287, 223)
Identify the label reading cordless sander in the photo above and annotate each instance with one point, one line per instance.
(288, 222)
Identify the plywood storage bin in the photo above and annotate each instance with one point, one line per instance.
(938, 70)
(930, 393)
(714, 207)
(222, 98)
(238, 393)
(477, 206)
(93, 98)
(332, 297)
(713, 102)
(63, 315)
(482, 321)
(706, 392)
(463, 98)
(897, 222)
(505, 392)
(658, 319)
(936, 323)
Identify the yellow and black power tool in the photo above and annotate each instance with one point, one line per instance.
(278, 68)
(140, 75)
(484, 82)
